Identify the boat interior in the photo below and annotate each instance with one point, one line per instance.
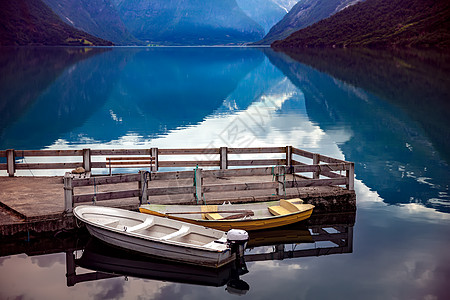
(247, 211)
(172, 231)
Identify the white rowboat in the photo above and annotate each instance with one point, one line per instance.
(156, 236)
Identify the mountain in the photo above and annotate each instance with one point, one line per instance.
(303, 14)
(379, 23)
(32, 22)
(188, 22)
(96, 17)
(265, 12)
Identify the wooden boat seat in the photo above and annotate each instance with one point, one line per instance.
(216, 244)
(213, 216)
(278, 210)
(210, 216)
(146, 224)
(112, 224)
(286, 207)
(292, 205)
(184, 230)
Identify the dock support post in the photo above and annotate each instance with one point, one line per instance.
(350, 173)
(198, 184)
(11, 162)
(143, 186)
(68, 193)
(279, 251)
(154, 153)
(70, 268)
(87, 159)
(223, 158)
(316, 161)
(289, 157)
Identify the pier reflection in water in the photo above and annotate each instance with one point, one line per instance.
(293, 241)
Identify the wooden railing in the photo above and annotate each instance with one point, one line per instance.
(87, 158)
(91, 159)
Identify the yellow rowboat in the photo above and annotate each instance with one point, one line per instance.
(248, 216)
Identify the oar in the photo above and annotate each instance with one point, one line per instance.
(238, 216)
(249, 212)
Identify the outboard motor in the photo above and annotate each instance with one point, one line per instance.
(237, 287)
(237, 239)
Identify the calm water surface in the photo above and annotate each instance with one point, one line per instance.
(387, 112)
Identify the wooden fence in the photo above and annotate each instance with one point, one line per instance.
(91, 159)
(319, 171)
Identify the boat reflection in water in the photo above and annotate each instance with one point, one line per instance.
(110, 262)
(302, 239)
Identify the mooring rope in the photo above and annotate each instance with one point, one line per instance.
(94, 199)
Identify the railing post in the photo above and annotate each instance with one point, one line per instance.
(155, 165)
(223, 158)
(289, 157)
(143, 185)
(350, 173)
(11, 162)
(316, 161)
(87, 159)
(198, 184)
(68, 193)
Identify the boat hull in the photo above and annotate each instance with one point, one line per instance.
(162, 250)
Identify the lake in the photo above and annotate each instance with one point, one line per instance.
(388, 112)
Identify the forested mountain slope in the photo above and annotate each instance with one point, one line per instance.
(303, 14)
(32, 22)
(379, 23)
(96, 17)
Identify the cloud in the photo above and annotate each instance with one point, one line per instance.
(110, 289)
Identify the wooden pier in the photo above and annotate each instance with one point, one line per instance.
(182, 176)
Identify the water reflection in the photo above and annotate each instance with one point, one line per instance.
(417, 82)
(95, 270)
(111, 262)
(398, 151)
(26, 74)
(143, 91)
(293, 241)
